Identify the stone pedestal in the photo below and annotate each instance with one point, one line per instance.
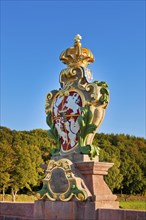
(85, 174)
(93, 173)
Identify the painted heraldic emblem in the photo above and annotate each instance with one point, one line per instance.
(66, 108)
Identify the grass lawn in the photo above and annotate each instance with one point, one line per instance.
(19, 198)
(138, 205)
(133, 202)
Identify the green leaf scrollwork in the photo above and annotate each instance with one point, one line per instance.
(86, 127)
(53, 134)
(104, 99)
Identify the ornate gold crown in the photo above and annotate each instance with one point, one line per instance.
(77, 56)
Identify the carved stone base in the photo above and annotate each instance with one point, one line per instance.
(79, 180)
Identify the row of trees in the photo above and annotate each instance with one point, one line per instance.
(22, 152)
(128, 153)
(20, 159)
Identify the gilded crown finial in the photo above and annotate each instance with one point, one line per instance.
(77, 56)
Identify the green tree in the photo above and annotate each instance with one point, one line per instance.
(7, 159)
(129, 155)
(6, 166)
(114, 178)
(27, 171)
(133, 178)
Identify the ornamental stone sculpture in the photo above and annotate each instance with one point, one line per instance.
(74, 114)
(76, 110)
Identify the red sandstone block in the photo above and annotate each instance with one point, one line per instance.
(16, 209)
(59, 210)
(119, 214)
(135, 215)
(85, 211)
(47, 210)
(39, 209)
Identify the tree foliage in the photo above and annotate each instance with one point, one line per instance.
(128, 175)
(22, 153)
(7, 158)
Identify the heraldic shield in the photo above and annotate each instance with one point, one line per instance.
(76, 110)
(66, 107)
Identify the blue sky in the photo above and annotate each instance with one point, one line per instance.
(33, 35)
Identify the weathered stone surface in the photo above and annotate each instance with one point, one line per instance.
(59, 182)
(120, 214)
(16, 209)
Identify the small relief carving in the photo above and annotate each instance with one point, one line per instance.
(62, 184)
(58, 182)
